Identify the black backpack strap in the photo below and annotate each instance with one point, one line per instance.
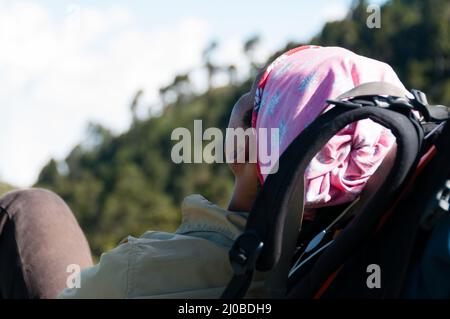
(243, 256)
(279, 204)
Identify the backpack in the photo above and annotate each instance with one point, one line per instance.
(364, 249)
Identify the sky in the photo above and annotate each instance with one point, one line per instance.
(64, 64)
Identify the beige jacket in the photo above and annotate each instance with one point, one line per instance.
(191, 263)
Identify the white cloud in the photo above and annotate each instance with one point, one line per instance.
(57, 74)
(334, 11)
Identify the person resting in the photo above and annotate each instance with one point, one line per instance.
(40, 238)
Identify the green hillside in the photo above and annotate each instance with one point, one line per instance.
(127, 184)
(5, 188)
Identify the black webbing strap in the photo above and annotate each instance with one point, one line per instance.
(243, 256)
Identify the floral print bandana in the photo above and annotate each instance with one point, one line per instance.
(293, 92)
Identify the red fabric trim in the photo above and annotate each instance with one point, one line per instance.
(326, 284)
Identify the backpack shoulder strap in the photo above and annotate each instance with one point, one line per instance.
(276, 213)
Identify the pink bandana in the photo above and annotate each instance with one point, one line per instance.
(293, 92)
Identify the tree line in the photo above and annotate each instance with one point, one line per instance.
(126, 184)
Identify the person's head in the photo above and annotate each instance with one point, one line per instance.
(246, 178)
(288, 96)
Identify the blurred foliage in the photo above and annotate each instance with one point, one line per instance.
(5, 188)
(127, 184)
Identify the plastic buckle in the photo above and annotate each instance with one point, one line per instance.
(420, 104)
(245, 252)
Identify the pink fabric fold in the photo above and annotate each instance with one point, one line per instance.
(293, 92)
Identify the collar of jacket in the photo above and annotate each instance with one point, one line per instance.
(200, 215)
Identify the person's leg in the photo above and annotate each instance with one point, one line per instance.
(39, 238)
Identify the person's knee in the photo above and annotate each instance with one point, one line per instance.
(22, 199)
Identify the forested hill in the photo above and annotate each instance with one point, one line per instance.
(127, 184)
